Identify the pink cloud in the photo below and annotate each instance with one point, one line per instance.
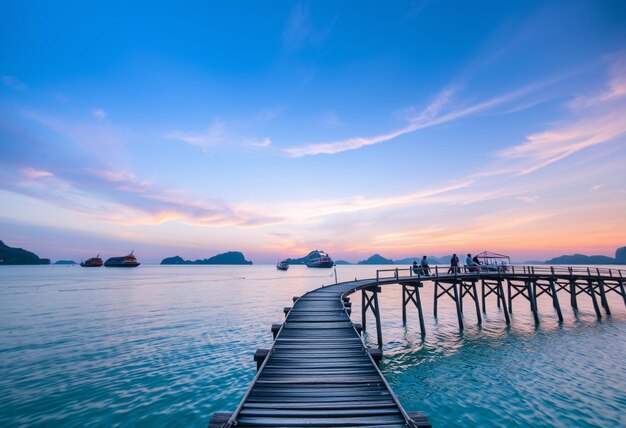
(35, 173)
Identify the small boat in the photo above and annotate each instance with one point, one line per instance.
(282, 265)
(92, 262)
(125, 261)
(319, 259)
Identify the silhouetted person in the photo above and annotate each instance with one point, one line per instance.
(454, 264)
(416, 269)
(469, 263)
(425, 267)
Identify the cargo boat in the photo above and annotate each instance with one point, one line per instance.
(92, 262)
(319, 259)
(125, 261)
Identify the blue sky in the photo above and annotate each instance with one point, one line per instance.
(407, 128)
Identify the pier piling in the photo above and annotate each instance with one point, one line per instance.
(411, 293)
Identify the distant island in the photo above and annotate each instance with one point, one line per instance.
(229, 258)
(376, 259)
(581, 259)
(19, 256)
(575, 259)
(444, 260)
(342, 262)
(65, 262)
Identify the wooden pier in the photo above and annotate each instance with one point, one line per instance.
(319, 373)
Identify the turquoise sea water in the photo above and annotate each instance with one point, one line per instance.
(170, 345)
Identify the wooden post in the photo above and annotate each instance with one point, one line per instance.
(404, 302)
(592, 293)
(372, 303)
(483, 296)
(376, 354)
(501, 297)
(621, 286)
(533, 302)
(573, 289)
(461, 287)
(459, 312)
(555, 298)
(275, 329)
(622, 291)
(508, 283)
(480, 320)
(605, 303)
(379, 330)
(259, 356)
(363, 311)
(499, 283)
(437, 297)
(413, 296)
(420, 311)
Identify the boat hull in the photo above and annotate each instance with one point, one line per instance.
(92, 262)
(321, 264)
(121, 264)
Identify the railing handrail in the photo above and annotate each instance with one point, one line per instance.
(548, 270)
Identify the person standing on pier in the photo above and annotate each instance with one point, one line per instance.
(454, 264)
(425, 267)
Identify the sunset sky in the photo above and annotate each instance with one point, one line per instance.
(274, 128)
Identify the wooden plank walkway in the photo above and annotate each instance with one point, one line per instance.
(319, 374)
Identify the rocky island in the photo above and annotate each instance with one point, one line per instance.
(376, 259)
(19, 256)
(228, 258)
(581, 259)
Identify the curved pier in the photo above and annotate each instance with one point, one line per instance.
(319, 373)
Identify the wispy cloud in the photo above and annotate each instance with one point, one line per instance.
(35, 173)
(313, 211)
(431, 116)
(615, 88)
(13, 83)
(213, 136)
(598, 119)
(265, 143)
(231, 133)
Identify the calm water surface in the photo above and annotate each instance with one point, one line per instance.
(170, 345)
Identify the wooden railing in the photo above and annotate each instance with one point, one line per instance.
(436, 271)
